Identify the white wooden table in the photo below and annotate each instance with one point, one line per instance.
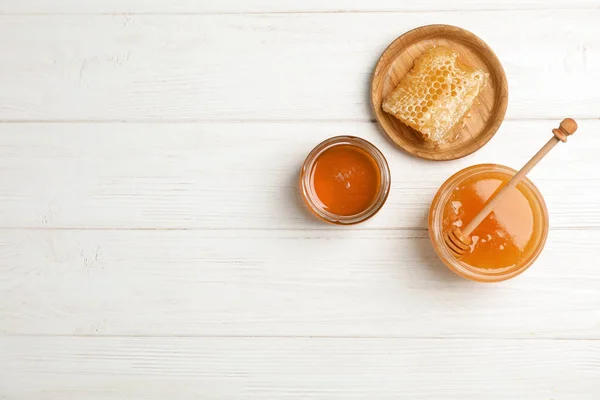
(153, 244)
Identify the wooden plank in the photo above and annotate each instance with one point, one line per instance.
(63, 368)
(231, 176)
(312, 283)
(259, 6)
(270, 67)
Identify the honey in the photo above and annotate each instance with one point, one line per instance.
(508, 240)
(504, 238)
(345, 180)
(436, 94)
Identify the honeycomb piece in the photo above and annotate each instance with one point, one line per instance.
(436, 94)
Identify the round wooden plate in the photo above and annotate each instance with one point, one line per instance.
(487, 111)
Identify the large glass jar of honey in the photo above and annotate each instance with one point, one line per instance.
(508, 241)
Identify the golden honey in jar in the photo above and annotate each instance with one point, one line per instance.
(507, 241)
(345, 180)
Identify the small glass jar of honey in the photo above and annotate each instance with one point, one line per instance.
(508, 241)
(345, 180)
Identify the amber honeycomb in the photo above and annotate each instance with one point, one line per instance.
(436, 94)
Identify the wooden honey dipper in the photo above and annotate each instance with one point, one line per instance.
(459, 242)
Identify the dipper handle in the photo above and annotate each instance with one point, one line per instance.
(459, 241)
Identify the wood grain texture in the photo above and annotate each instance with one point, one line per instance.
(295, 283)
(137, 260)
(276, 6)
(271, 67)
(232, 176)
(484, 117)
(64, 368)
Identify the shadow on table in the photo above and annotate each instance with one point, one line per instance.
(430, 259)
(298, 201)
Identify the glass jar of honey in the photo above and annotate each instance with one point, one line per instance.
(345, 180)
(508, 241)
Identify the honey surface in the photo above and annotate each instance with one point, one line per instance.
(509, 235)
(346, 180)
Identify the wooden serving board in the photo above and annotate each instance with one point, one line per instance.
(486, 114)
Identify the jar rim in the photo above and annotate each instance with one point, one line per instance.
(465, 270)
(308, 191)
